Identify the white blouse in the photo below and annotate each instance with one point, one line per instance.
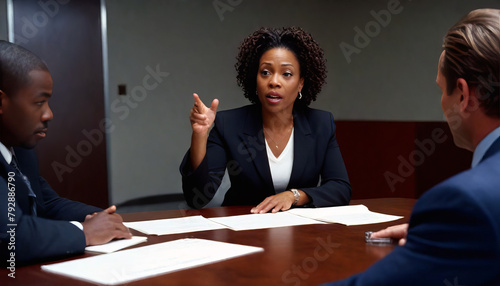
(281, 167)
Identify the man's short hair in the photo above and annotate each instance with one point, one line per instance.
(472, 52)
(16, 63)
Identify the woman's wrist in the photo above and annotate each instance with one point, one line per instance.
(296, 196)
(303, 198)
(198, 149)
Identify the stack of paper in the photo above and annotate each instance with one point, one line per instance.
(267, 220)
(348, 215)
(138, 263)
(174, 225)
(116, 245)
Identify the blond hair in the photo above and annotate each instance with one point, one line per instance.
(472, 52)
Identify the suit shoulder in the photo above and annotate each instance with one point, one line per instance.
(237, 112)
(483, 177)
(236, 116)
(478, 185)
(319, 121)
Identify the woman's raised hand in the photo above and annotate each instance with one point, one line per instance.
(201, 116)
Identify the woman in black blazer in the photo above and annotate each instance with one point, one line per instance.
(278, 152)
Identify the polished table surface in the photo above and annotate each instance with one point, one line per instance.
(298, 255)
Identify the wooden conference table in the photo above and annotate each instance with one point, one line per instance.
(298, 255)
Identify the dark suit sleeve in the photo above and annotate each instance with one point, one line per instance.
(47, 235)
(334, 189)
(199, 186)
(59, 208)
(452, 240)
(39, 239)
(32, 239)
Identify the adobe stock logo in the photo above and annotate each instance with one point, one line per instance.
(298, 273)
(372, 29)
(417, 157)
(222, 7)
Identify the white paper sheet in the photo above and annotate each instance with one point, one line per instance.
(138, 263)
(174, 225)
(348, 215)
(267, 220)
(116, 245)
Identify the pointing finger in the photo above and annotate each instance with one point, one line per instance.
(215, 104)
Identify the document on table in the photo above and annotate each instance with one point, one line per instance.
(174, 225)
(348, 215)
(116, 245)
(142, 262)
(267, 220)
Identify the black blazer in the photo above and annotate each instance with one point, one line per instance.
(237, 143)
(47, 235)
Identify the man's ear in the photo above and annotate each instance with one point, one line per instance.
(467, 101)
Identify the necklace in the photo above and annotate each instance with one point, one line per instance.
(276, 143)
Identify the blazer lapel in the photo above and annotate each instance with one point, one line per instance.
(254, 141)
(303, 140)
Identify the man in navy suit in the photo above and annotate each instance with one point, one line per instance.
(35, 223)
(453, 237)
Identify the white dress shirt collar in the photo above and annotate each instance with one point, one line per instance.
(6, 153)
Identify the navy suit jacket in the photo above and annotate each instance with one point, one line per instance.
(237, 142)
(453, 236)
(47, 235)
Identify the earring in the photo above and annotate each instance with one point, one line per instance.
(300, 95)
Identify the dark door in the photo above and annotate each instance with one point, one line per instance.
(67, 36)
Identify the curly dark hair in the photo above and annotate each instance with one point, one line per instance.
(300, 43)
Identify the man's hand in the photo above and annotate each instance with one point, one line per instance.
(396, 232)
(102, 227)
